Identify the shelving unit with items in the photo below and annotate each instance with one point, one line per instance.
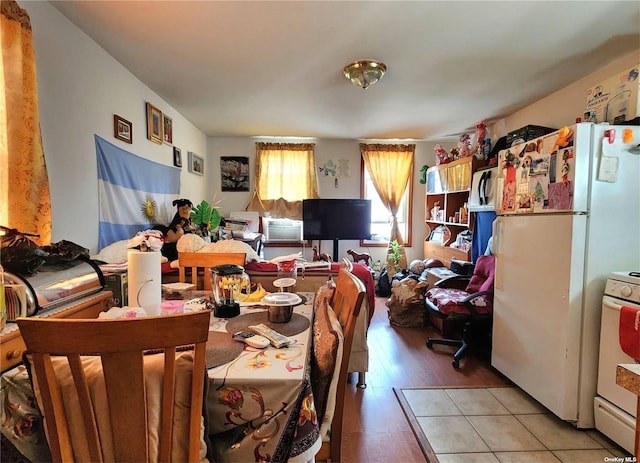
(446, 213)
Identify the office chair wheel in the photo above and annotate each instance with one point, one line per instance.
(455, 363)
(429, 344)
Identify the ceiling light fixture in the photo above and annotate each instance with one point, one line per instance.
(365, 72)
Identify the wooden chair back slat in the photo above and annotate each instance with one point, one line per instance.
(206, 260)
(121, 345)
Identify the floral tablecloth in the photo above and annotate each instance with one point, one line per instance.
(260, 405)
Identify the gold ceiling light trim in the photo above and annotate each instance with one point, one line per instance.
(365, 72)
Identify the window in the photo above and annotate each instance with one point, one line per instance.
(386, 179)
(285, 175)
(381, 217)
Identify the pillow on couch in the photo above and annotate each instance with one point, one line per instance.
(232, 246)
(190, 243)
(115, 253)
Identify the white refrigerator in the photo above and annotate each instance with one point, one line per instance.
(568, 214)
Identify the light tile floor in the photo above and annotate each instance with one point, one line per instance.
(502, 425)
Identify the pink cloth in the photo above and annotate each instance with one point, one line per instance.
(630, 331)
(364, 273)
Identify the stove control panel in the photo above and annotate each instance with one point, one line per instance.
(623, 286)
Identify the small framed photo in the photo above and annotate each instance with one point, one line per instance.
(154, 124)
(122, 129)
(196, 164)
(177, 157)
(167, 129)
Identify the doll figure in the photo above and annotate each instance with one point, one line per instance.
(181, 222)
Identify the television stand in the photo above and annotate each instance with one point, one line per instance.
(335, 250)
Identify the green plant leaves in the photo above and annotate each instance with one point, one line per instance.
(205, 215)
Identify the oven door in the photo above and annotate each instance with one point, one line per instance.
(611, 355)
(615, 407)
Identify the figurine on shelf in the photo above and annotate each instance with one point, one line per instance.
(481, 135)
(435, 210)
(464, 146)
(441, 155)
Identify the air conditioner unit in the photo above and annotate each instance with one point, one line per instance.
(282, 230)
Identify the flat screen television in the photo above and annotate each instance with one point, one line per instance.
(336, 219)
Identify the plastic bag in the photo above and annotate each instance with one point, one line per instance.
(384, 285)
(63, 253)
(19, 254)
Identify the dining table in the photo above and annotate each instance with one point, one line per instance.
(259, 403)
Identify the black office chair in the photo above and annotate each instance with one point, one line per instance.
(472, 306)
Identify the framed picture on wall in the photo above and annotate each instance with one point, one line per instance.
(167, 129)
(196, 164)
(235, 173)
(122, 129)
(154, 124)
(177, 157)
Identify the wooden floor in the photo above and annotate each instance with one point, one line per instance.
(375, 428)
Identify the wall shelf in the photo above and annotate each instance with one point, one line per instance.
(448, 187)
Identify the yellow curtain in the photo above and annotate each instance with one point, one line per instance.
(285, 175)
(27, 204)
(390, 168)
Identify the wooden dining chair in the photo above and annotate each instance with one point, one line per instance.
(205, 260)
(346, 303)
(122, 390)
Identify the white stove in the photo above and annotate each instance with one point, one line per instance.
(614, 406)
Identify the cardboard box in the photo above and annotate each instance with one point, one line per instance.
(118, 284)
(616, 100)
(526, 133)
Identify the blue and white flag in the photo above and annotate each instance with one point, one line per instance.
(134, 193)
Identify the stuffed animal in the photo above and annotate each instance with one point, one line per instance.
(417, 267)
(565, 136)
(423, 174)
(481, 134)
(441, 155)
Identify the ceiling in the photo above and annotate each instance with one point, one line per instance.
(266, 68)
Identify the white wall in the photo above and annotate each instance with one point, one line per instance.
(564, 106)
(347, 187)
(80, 88)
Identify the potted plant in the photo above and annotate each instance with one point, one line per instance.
(395, 258)
(206, 217)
